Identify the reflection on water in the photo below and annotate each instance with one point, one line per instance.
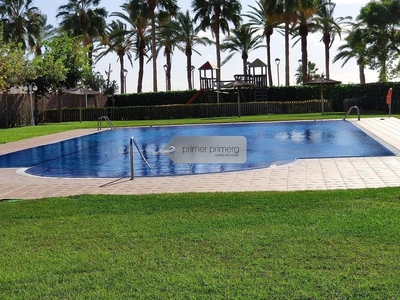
(305, 136)
(106, 154)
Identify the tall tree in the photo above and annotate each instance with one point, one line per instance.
(354, 47)
(136, 14)
(243, 40)
(171, 8)
(380, 19)
(83, 18)
(262, 17)
(15, 69)
(305, 10)
(285, 12)
(216, 15)
(52, 70)
(47, 32)
(21, 22)
(73, 56)
(311, 73)
(118, 40)
(186, 35)
(330, 28)
(165, 41)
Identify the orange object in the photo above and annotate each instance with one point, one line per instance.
(389, 97)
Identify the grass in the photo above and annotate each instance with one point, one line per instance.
(19, 133)
(265, 245)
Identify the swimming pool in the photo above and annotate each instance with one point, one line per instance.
(106, 154)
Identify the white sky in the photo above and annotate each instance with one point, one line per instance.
(347, 74)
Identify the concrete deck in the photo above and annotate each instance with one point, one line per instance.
(304, 174)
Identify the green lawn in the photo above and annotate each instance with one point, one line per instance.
(266, 245)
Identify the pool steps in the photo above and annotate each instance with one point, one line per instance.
(350, 109)
(104, 118)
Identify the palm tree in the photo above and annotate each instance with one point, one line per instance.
(166, 41)
(164, 6)
(243, 40)
(83, 18)
(136, 15)
(380, 20)
(355, 47)
(187, 37)
(285, 12)
(330, 27)
(46, 33)
(305, 10)
(118, 40)
(262, 17)
(216, 14)
(21, 22)
(311, 72)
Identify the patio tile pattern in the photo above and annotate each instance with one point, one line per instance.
(303, 174)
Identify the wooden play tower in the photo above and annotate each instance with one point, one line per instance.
(257, 76)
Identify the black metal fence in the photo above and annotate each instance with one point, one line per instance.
(187, 111)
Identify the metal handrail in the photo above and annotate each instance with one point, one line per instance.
(132, 141)
(350, 109)
(105, 118)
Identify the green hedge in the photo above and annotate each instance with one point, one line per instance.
(148, 99)
(369, 97)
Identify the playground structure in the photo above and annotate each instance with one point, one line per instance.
(255, 79)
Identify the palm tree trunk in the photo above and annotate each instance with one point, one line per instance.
(304, 60)
(217, 43)
(169, 63)
(244, 59)
(188, 52)
(169, 67)
(383, 73)
(327, 41)
(218, 50)
(304, 54)
(153, 45)
(87, 41)
(287, 69)
(141, 66)
(268, 38)
(121, 74)
(360, 63)
(90, 55)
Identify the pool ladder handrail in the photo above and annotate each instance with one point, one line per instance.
(350, 109)
(131, 143)
(105, 118)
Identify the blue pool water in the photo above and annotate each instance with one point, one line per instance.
(106, 154)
